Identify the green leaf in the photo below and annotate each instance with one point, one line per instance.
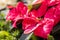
(29, 7)
(4, 34)
(50, 37)
(34, 37)
(15, 33)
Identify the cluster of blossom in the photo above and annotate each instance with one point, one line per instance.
(31, 22)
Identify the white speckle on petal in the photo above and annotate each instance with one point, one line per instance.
(45, 28)
(52, 1)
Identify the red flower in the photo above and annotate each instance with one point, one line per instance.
(41, 28)
(44, 6)
(33, 13)
(44, 27)
(57, 12)
(49, 2)
(12, 14)
(42, 9)
(52, 2)
(22, 9)
(49, 21)
(17, 13)
(29, 24)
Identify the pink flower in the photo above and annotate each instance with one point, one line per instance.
(29, 21)
(42, 9)
(57, 12)
(44, 27)
(29, 24)
(52, 2)
(44, 6)
(22, 9)
(12, 14)
(49, 2)
(49, 21)
(33, 13)
(17, 13)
